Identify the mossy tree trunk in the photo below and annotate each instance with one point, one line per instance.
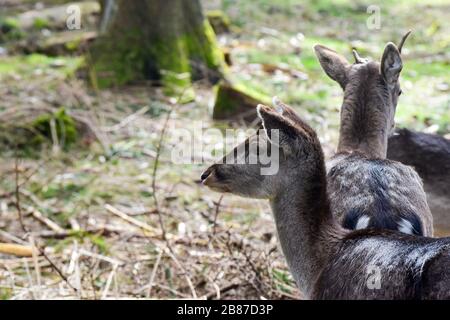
(168, 41)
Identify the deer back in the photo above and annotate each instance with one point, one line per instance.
(377, 193)
(386, 265)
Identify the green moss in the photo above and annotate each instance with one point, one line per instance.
(72, 45)
(30, 137)
(169, 60)
(219, 21)
(235, 99)
(117, 61)
(65, 128)
(40, 23)
(10, 29)
(224, 104)
(213, 56)
(253, 92)
(173, 58)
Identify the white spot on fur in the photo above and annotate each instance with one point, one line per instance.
(363, 222)
(405, 226)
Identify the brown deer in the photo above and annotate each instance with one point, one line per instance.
(429, 155)
(365, 189)
(326, 260)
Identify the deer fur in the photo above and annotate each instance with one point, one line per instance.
(326, 260)
(429, 154)
(365, 189)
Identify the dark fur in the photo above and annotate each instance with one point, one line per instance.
(364, 184)
(429, 154)
(326, 261)
(383, 190)
(365, 112)
(413, 267)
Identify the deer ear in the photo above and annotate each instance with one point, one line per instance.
(279, 130)
(334, 65)
(391, 64)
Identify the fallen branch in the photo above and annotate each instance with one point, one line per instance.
(152, 277)
(16, 249)
(132, 220)
(48, 234)
(127, 120)
(155, 169)
(44, 220)
(17, 195)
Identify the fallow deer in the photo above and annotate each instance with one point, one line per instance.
(326, 260)
(365, 189)
(429, 155)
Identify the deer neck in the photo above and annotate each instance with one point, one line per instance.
(306, 229)
(364, 126)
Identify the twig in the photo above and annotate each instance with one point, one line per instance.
(17, 195)
(54, 134)
(44, 220)
(170, 251)
(33, 199)
(152, 277)
(11, 237)
(173, 291)
(16, 250)
(30, 280)
(29, 176)
(155, 169)
(35, 262)
(222, 290)
(188, 280)
(69, 233)
(19, 212)
(131, 220)
(215, 286)
(127, 120)
(109, 281)
(216, 214)
(57, 270)
(112, 261)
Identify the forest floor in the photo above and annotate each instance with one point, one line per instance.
(95, 208)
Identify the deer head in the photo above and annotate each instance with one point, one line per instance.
(297, 191)
(371, 91)
(283, 133)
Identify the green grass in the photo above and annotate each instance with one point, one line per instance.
(341, 24)
(27, 64)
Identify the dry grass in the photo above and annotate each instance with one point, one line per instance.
(92, 211)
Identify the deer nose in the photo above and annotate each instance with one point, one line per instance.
(205, 174)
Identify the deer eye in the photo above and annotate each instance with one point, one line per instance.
(400, 92)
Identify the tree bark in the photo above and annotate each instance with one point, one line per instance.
(168, 41)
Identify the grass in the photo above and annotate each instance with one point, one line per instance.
(322, 22)
(34, 65)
